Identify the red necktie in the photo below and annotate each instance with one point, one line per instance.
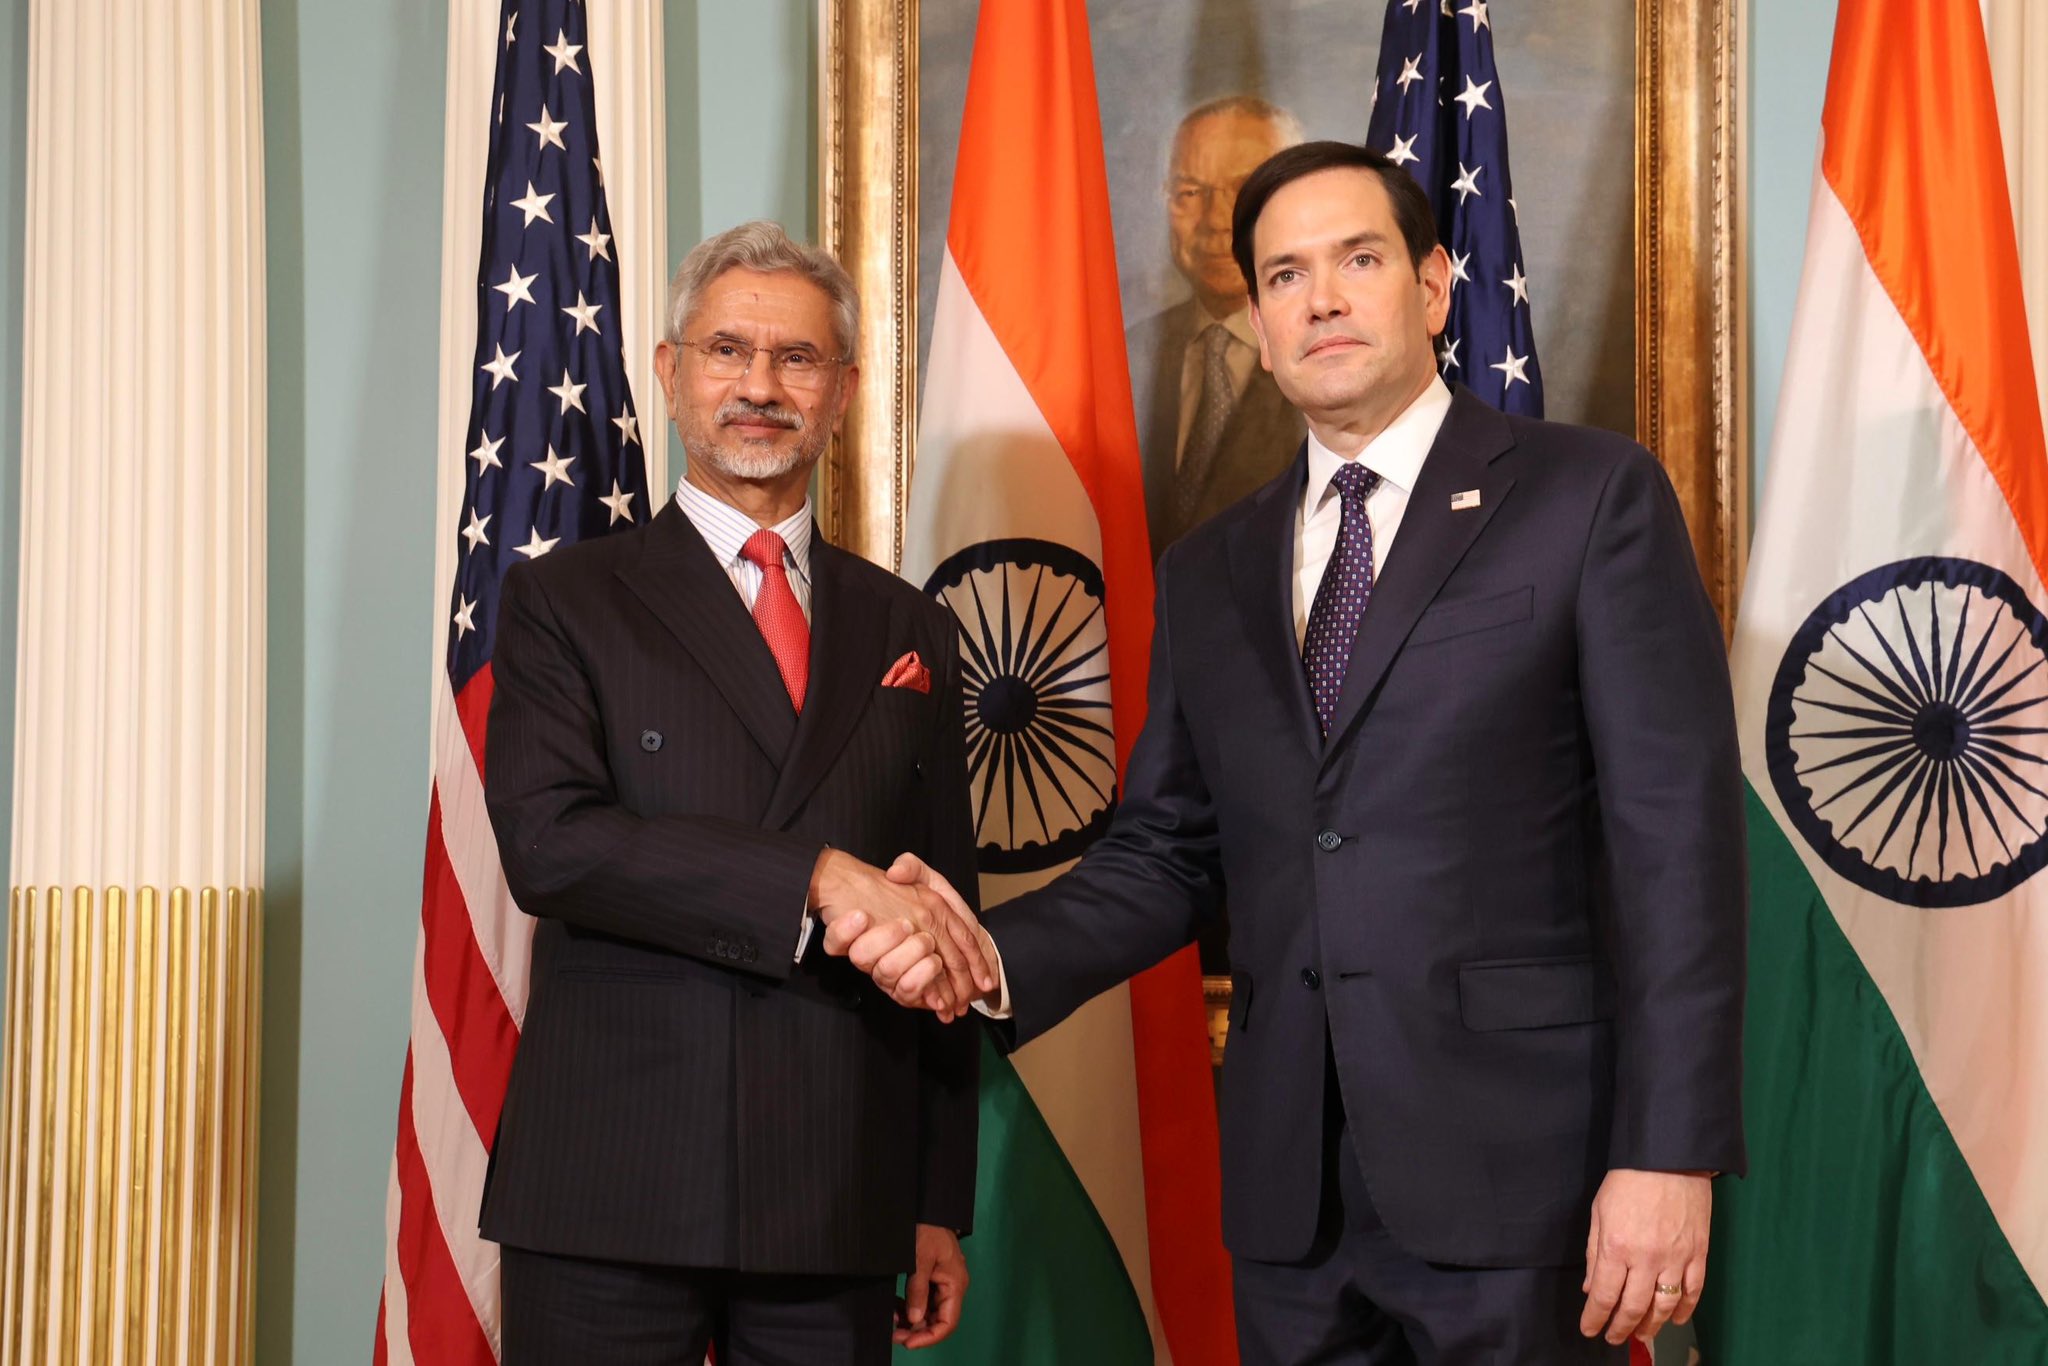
(779, 615)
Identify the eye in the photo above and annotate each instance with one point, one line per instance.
(1365, 258)
(1284, 277)
(798, 361)
(725, 350)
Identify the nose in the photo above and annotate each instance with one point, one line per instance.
(1325, 300)
(758, 382)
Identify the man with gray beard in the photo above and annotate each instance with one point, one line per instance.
(708, 737)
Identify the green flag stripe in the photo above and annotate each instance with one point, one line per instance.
(1860, 1238)
(1047, 1286)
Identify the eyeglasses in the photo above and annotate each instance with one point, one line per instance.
(798, 367)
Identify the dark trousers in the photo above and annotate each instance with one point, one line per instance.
(1358, 1299)
(572, 1311)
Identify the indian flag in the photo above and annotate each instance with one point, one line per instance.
(1098, 1226)
(1891, 664)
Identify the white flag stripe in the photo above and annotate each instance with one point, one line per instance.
(504, 933)
(1003, 472)
(1867, 441)
(992, 468)
(453, 1155)
(397, 1326)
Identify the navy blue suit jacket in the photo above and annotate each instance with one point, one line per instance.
(1509, 889)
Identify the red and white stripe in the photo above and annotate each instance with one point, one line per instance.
(468, 997)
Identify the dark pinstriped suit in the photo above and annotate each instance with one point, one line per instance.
(685, 1094)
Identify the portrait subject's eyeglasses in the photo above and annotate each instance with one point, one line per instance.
(798, 367)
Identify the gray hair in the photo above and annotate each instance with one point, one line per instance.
(764, 246)
(1283, 120)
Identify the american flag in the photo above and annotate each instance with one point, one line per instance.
(554, 455)
(1437, 109)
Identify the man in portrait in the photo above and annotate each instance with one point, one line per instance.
(1212, 425)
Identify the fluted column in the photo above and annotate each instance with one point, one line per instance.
(127, 1111)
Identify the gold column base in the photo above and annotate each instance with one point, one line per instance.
(128, 1155)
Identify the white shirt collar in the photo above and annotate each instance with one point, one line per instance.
(726, 529)
(1395, 455)
(1238, 324)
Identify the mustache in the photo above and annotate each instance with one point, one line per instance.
(770, 414)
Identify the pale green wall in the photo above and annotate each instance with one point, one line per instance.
(353, 112)
(742, 121)
(1789, 42)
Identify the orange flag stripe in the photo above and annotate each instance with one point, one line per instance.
(1033, 239)
(1911, 148)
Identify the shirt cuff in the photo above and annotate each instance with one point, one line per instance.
(1001, 1009)
(803, 936)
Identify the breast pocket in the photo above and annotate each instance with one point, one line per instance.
(1469, 616)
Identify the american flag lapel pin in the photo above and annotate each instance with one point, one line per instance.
(1468, 499)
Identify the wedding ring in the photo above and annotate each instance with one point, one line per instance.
(1664, 1289)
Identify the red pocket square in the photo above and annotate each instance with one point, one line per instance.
(908, 672)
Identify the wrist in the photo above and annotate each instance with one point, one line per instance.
(826, 875)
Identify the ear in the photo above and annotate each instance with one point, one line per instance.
(1433, 277)
(849, 381)
(666, 359)
(1259, 330)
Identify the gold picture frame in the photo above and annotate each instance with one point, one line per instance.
(1690, 407)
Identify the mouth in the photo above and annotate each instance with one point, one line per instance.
(1324, 346)
(757, 424)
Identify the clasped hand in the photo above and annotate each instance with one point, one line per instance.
(921, 945)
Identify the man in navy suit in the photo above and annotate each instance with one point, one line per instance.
(1443, 711)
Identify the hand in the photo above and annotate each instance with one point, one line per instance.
(934, 1289)
(912, 871)
(1649, 1229)
(906, 937)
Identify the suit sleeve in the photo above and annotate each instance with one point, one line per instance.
(949, 1055)
(730, 893)
(1146, 889)
(1659, 711)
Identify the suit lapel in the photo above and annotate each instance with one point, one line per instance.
(849, 638)
(1161, 437)
(1262, 572)
(683, 584)
(1433, 538)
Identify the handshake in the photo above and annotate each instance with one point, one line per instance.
(907, 928)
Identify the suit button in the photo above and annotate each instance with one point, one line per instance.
(1329, 841)
(650, 740)
(1311, 979)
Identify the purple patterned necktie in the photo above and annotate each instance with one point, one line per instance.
(1342, 595)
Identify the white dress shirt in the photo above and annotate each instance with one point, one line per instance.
(1396, 456)
(727, 530)
(1242, 358)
